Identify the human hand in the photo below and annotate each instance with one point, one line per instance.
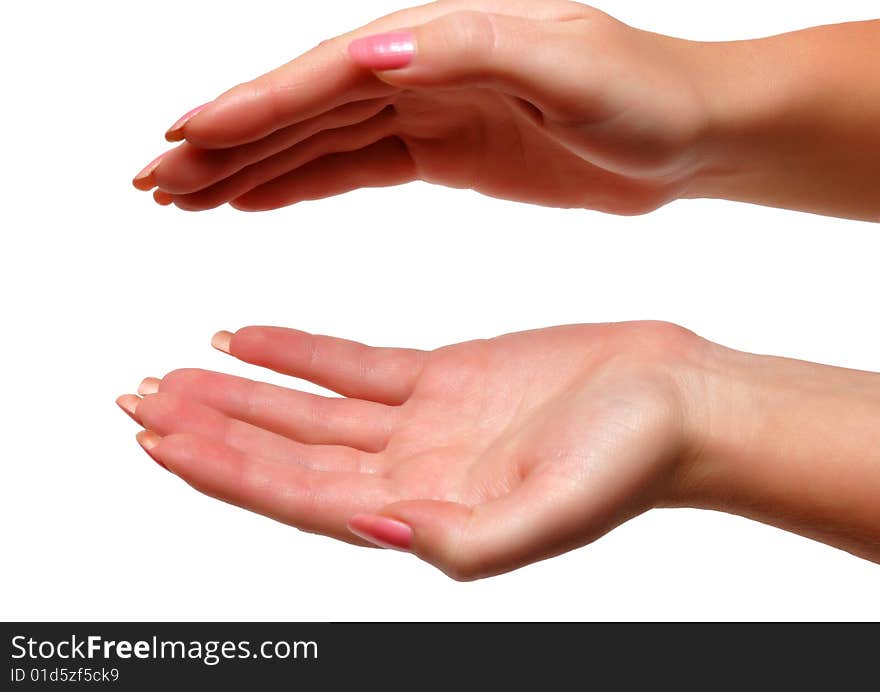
(547, 102)
(551, 102)
(478, 457)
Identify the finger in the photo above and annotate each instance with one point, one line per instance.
(301, 416)
(189, 168)
(167, 414)
(314, 83)
(384, 375)
(383, 164)
(162, 198)
(325, 77)
(317, 501)
(535, 60)
(346, 139)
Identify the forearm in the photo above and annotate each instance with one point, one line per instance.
(789, 443)
(793, 120)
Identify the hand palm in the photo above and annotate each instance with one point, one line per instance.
(542, 433)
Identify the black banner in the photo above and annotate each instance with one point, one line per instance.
(135, 656)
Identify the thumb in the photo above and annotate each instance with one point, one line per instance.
(530, 523)
(528, 58)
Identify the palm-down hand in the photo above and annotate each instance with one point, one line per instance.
(552, 103)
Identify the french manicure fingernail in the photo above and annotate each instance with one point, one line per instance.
(149, 385)
(221, 341)
(382, 531)
(147, 439)
(175, 132)
(389, 51)
(128, 403)
(144, 180)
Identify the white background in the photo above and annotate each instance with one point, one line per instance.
(101, 287)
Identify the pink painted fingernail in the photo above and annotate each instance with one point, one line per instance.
(175, 132)
(383, 531)
(144, 180)
(389, 51)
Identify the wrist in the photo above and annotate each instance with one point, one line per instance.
(722, 100)
(722, 403)
(745, 103)
(790, 120)
(785, 442)
(686, 377)
(715, 413)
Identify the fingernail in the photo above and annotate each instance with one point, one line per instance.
(383, 531)
(389, 51)
(175, 132)
(147, 439)
(144, 180)
(221, 341)
(128, 403)
(149, 385)
(163, 198)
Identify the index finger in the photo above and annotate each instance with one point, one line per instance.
(325, 77)
(314, 83)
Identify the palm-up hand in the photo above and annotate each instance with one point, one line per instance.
(547, 102)
(478, 457)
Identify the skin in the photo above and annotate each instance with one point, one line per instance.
(485, 456)
(633, 121)
(500, 452)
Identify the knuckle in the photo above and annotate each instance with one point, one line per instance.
(461, 573)
(462, 562)
(320, 411)
(651, 348)
(465, 566)
(472, 34)
(663, 327)
(251, 479)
